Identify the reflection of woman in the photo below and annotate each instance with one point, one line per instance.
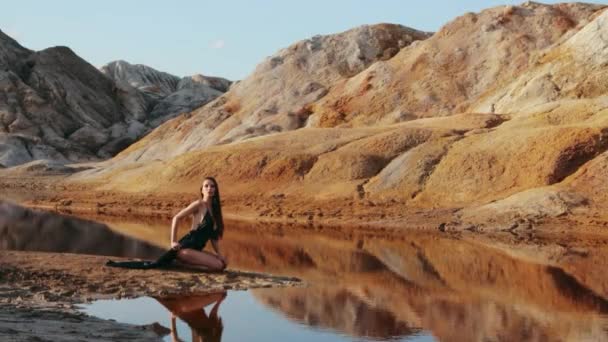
(192, 311)
(207, 224)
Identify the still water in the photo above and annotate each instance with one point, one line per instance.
(241, 316)
(363, 285)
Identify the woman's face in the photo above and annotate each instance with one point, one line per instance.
(208, 189)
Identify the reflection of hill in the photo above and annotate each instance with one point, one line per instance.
(25, 229)
(385, 307)
(468, 267)
(337, 309)
(456, 289)
(393, 310)
(424, 260)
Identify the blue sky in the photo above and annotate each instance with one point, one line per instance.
(220, 38)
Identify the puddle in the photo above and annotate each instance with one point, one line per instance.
(243, 316)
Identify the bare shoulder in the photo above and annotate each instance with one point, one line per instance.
(190, 209)
(198, 202)
(196, 205)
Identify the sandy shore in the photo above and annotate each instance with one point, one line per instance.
(56, 194)
(39, 324)
(38, 293)
(36, 277)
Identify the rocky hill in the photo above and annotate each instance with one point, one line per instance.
(168, 95)
(142, 77)
(455, 70)
(378, 75)
(501, 113)
(55, 106)
(276, 97)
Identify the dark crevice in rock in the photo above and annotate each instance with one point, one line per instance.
(576, 156)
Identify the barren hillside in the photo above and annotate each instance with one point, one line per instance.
(500, 114)
(56, 108)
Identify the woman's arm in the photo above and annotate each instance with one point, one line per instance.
(189, 210)
(216, 246)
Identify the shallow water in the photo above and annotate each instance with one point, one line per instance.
(363, 285)
(242, 316)
(25, 230)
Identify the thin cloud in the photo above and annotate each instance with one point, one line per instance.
(218, 44)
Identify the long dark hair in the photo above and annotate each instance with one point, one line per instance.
(216, 207)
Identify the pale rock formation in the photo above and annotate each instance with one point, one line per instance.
(217, 83)
(47, 97)
(141, 77)
(277, 95)
(166, 95)
(575, 68)
(191, 92)
(469, 58)
(56, 106)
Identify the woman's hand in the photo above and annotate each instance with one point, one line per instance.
(223, 259)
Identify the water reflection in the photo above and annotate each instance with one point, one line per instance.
(23, 229)
(394, 311)
(236, 316)
(191, 309)
(338, 309)
(381, 286)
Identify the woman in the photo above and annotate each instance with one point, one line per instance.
(207, 224)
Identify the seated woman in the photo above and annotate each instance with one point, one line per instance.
(207, 224)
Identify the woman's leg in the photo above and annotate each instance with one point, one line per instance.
(197, 258)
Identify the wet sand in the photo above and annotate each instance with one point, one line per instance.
(28, 324)
(40, 283)
(38, 293)
(75, 278)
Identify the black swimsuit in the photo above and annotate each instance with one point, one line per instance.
(195, 239)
